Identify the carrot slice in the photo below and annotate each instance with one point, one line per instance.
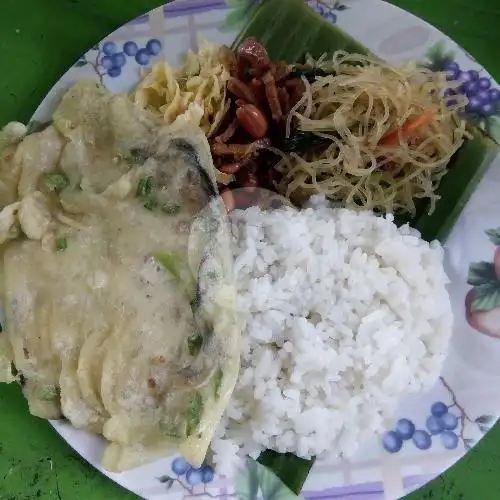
(408, 129)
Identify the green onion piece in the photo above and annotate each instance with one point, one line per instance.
(56, 181)
(61, 243)
(149, 185)
(178, 266)
(170, 209)
(144, 187)
(218, 382)
(172, 262)
(194, 413)
(194, 344)
(151, 204)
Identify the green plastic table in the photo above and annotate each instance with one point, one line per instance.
(39, 40)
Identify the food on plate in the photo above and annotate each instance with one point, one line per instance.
(344, 313)
(197, 88)
(294, 30)
(388, 134)
(359, 130)
(350, 126)
(114, 316)
(118, 281)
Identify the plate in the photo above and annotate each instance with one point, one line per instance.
(467, 395)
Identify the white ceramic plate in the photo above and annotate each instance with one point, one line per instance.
(465, 402)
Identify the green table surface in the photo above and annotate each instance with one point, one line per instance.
(39, 40)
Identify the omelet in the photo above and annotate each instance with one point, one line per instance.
(117, 278)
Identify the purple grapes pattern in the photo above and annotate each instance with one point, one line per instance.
(483, 108)
(440, 423)
(328, 10)
(445, 423)
(112, 58)
(252, 481)
(188, 476)
(483, 98)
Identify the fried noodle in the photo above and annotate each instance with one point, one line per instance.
(354, 109)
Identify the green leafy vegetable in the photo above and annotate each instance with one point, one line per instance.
(194, 413)
(219, 374)
(61, 243)
(56, 181)
(299, 142)
(194, 344)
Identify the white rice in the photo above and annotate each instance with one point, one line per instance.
(343, 313)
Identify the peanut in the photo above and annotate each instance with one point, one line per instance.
(252, 120)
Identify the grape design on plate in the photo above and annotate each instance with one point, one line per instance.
(115, 57)
(448, 428)
(483, 108)
(328, 9)
(111, 57)
(440, 423)
(483, 98)
(193, 476)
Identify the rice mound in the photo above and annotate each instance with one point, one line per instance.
(343, 314)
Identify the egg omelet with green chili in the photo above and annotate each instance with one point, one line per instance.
(116, 277)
